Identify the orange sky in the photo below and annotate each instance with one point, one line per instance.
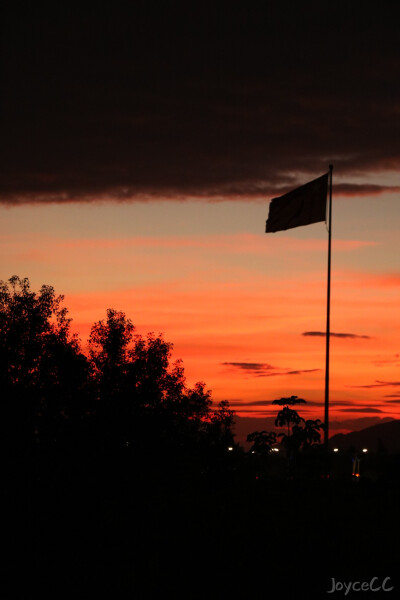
(234, 301)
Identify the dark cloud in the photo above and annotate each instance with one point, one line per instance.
(264, 369)
(265, 404)
(365, 409)
(299, 372)
(332, 403)
(377, 384)
(250, 367)
(238, 403)
(279, 373)
(204, 99)
(354, 189)
(338, 335)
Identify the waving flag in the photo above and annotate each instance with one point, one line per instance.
(302, 206)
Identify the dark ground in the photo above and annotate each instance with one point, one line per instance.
(147, 537)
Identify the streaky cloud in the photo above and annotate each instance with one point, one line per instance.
(251, 191)
(360, 189)
(301, 371)
(377, 384)
(351, 336)
(264, 369)
(264, 403)
(248, 366)
(365, 409)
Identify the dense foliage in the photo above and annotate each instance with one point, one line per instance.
(122, 397)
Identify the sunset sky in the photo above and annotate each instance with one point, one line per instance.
(140, 147)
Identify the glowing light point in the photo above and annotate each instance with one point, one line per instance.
(365, 450)
(230, 448)
(336, 449)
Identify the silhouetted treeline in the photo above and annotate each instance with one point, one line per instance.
(120, 405)
(130, 483)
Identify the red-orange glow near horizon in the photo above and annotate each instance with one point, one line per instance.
(235, 306)
(213, 327)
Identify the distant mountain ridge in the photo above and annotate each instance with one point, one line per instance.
(388, 431)
(385, 434)
(245, 425)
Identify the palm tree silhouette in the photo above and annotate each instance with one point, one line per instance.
(288, 416)
(289, 401)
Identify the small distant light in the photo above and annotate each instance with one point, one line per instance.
(365, 449)
(230, 448)
(253, 451)
(336, 449)
(357, 475)
(275, 449)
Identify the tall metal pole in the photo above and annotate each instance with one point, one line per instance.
(328, 313)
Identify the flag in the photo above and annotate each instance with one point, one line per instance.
(302, 206)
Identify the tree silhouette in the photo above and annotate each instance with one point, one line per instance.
(122, 408)
(142, 396)
(287, 417)
(301, 433)
(311, 434)
(109, 347)
(42, 370)
(221, 422)
(262, 441)
(289, 401)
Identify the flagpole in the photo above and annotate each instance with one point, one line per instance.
(328, 314)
